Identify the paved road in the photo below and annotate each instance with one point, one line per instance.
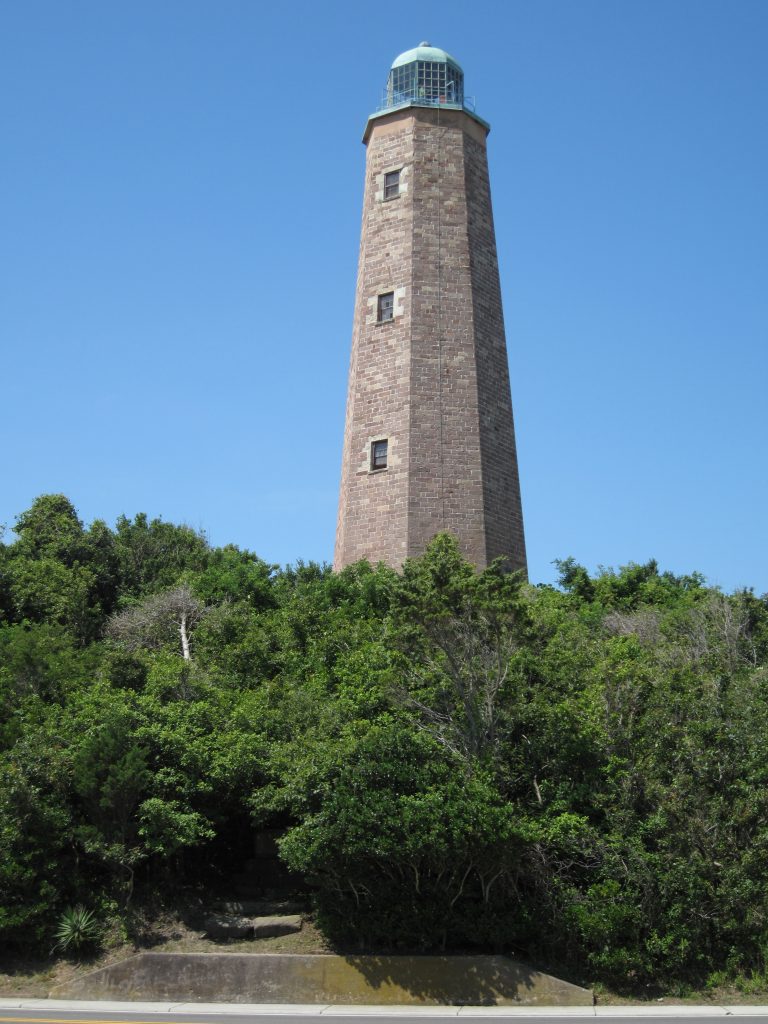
(39, 1012)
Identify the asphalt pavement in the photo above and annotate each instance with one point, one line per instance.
(50, 1011)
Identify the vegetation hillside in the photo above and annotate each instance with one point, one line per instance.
(455, 760)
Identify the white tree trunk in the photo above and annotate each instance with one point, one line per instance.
(184, 637)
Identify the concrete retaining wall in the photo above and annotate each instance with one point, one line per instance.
(290, 978)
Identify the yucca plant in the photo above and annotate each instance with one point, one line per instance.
(77, 929)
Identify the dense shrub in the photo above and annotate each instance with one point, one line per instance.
(456, 760)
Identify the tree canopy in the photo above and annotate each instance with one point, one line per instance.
(454, 760)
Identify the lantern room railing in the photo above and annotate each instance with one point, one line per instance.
(413, 97)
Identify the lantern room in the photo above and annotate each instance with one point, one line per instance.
(425, 76)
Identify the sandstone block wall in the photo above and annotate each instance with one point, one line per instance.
(434, 380)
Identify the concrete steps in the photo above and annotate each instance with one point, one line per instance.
(263, 903)
(231, 926)
(261, 908)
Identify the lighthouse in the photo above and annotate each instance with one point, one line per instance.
(429, 440)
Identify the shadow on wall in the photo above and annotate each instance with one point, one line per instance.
(477, 981)
(314, 978)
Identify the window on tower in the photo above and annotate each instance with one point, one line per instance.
(391, 184)
(379, 454)
(385, 309)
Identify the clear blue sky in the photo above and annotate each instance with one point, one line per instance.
(180, 196)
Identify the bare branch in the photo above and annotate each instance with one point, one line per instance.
(161, 619)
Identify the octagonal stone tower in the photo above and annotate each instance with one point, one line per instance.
(429, 443)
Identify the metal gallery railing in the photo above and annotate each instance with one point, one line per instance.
(417, 98)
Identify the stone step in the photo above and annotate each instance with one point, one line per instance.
(276, 924)
(225, 926)
(230, 926)
(260, 908)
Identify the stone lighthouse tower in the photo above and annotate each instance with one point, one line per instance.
(429, 443)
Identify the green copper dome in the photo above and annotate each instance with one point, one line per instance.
(425, 76)
(424, 51)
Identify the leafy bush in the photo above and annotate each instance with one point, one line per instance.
(456, 759)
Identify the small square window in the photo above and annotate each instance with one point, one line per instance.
(391, 184)
(385, 309)
(379, 455)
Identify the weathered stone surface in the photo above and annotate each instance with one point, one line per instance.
(433, 380)
(279, 978)
(260, 908)
(278, 924)
(226, 926)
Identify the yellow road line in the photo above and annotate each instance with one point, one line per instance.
(85, 1020)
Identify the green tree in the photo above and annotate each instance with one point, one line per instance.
(152, 554)
(458, 632)
(51, 529)
(406, 852)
